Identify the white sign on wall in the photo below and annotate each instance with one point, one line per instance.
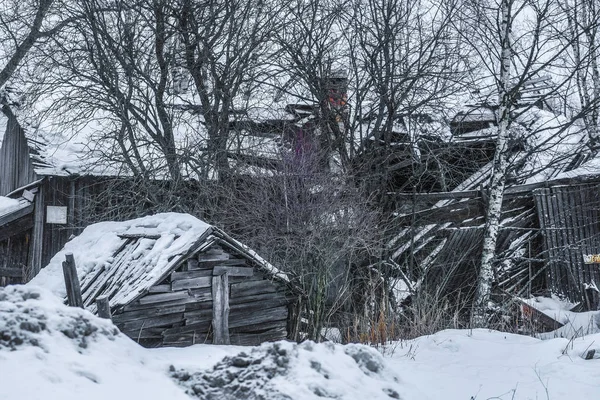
(56, 215)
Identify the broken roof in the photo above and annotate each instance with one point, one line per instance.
(124, 259)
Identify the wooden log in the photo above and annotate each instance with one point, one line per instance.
(220, 320)
(192, 283)
(72, 281)
(103, 306)
(233, 271)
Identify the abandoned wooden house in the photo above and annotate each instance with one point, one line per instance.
(548, 236)
(173, 280)
(45, 177)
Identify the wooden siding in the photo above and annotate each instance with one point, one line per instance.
(16, 169)
(79, 194)
(569, 222)
(179, 310)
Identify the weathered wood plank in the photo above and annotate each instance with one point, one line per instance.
(220, 318)
(175, 276)
(233, 271)
(191, 283)
(254, 339)
(258, 297)
(72, 281)
(148, 313)
(160, 288)
(260, 327)
(270, 314)
(144, 333)
(200, 327)
(209, 264)
(103, 307)
(164, 297)
(160, 320)
(185, 339)
(253, 287)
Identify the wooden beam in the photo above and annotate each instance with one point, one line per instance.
(220, 322)
(72, 281)
(36, 246)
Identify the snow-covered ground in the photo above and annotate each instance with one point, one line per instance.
(50, 351)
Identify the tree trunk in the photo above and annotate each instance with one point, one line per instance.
(498, 179)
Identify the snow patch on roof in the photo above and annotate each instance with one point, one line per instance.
(8, 205)
(166, 236)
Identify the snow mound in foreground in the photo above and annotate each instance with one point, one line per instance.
(51, 351)
(286, 371)
(31, 317)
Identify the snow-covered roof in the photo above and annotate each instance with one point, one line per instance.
(124, 259)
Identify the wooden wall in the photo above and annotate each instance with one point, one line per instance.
(569, 222)
(78, 194)
(13, 259)
(179, 310)
(16, 169)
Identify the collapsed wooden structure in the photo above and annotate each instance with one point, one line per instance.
(549, 232)
(178, 287)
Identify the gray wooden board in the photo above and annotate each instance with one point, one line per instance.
(164, 297)
(196, 327)
(135, 306)
(160, 288)
(148, 313)
(210, 263)
(190, 274)
(185, 339)
(257, 297)
(161, 320)
(233, 270)
(254, 339)
(257, 328)
(144, 333)
(271, 314)
(253, 287)
(192, 283)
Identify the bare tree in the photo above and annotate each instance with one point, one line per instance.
(21, 25)
(224, 45)
(516, 43)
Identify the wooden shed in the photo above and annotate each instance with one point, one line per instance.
(173, 280)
